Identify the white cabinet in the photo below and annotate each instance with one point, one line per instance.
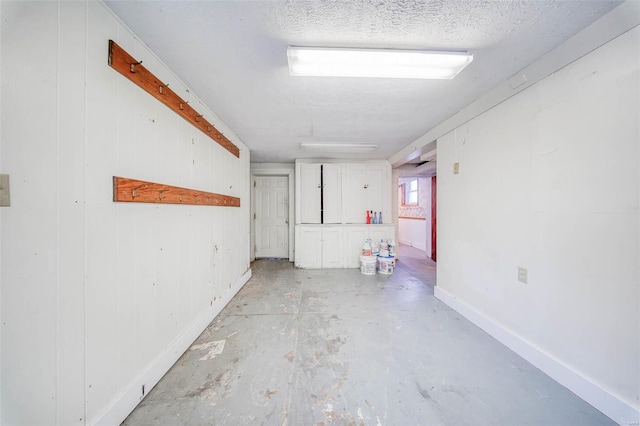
(355, 236)
(377, 233)
(355, 194)
(308, 251)
(366, 187)
(318, 247)
(331, 193)
(332, 198)
(308, 191)
(335, 246)
(319, 193)
(332, 247)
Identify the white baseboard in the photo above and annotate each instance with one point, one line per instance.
(419, 246)
(121, 406)
(609, 404)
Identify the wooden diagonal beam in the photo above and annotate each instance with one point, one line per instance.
(132, 69)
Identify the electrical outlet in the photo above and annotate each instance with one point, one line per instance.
(456, 168)
(522, 275)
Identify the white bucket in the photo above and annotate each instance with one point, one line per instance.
(368, 265)
(386, 264)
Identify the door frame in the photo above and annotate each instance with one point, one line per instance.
(276, 169)
(434, 221)
(431, 235)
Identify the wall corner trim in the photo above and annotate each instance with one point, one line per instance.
(609, 404)
(123, 404)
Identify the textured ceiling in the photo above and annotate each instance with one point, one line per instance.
(233, 55)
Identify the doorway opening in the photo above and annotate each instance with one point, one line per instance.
(271, 217)
(272, 170)
(416, 214)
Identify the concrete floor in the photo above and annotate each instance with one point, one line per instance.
(333, 346)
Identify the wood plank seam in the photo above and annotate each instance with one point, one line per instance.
(133, 70)
(140, 191)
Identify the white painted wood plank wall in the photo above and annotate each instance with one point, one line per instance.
(96, 295)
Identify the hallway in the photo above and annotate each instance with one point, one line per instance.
(417, 263)
(333, 346)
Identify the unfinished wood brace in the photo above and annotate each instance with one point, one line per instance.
(139, 191)
(126, 65)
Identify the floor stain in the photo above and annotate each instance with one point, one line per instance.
(202, 388)
(333, 345)
(320, 399)
(337, 385)
(423, 392)
(221, 386)
(223, 378)
(267, 394)
(289, 356)
(330, 415)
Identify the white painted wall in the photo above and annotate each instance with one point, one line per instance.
(99, 298)
(413, 232)
(549, 181)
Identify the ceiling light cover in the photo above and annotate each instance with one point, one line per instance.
(355, 148)
(386, 63)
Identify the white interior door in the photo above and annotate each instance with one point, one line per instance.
(272, 216)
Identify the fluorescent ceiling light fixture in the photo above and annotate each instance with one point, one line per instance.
(356, 148)
(386, 63)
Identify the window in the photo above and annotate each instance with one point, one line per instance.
(409, 191)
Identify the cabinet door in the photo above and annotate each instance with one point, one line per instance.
(332, 248)
(354, 240)
(309, 193)
(354, 194)
(378, 232)
(308, 247)
(332, 193)
(375, 189)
